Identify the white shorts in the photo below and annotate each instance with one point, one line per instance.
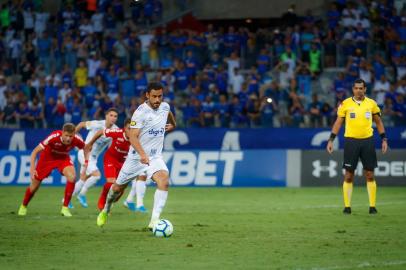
(133, 168)
(91, 166)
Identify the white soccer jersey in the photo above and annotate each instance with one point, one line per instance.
(152, 124)
(102, 142)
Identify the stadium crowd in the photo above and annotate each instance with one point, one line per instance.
(92, 55)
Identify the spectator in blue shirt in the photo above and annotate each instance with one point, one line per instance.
(223, 111)
(238, 113)
(314, 111)
(182, 78)
(49, 112)
(76, 111)
(191, 64)
(141, 83)
(333, 16)
(191, 113)
(44, 45)
(230, 41)
(23, 114)
(268, 110)
(112, 81)
(50, 91)
(208, 112)
(91, 93)
(263, 62)
(36, 114)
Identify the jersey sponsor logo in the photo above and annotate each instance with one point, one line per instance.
(156, 132)
(368, 115)
(50, 138)
(120, 139)
(120, 151)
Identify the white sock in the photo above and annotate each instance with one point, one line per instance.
(140, 191)
(159, 203)
(111, 197)
(131, 194)
(78, 186)
(91, 181)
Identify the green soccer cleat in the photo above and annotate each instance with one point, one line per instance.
(22, 211)
(65, 212)
(102, 218)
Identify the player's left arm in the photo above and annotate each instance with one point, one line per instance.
(80, 126)
(89, 145)
(171, 124)
(381, 130)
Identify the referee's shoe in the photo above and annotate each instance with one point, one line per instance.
(372, 210)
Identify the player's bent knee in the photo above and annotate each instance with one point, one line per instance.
(117, 188)
(71, 178)
(111, 180)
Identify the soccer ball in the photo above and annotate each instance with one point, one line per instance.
(163, 228)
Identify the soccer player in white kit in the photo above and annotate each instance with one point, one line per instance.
(148, 127)
(91, 175)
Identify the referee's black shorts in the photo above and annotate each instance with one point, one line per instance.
(355, 149)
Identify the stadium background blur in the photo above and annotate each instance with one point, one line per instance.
(71, 60)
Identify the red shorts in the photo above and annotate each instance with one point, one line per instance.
(112, 167)
(45, 166)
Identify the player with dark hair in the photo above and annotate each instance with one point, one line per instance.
(114, 157)
(358, 112)
(148, 126)
(54, 155)
(91, 175)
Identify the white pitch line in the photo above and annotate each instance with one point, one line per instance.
(336, 205)
(357, 266)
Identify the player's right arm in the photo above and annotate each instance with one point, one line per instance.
(135, 143)
(334, 131)
(33, 172)
(341, 112)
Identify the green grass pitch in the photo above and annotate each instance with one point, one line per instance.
(215, 228)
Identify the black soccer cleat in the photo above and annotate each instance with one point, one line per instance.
(347, 210)
(372, 210)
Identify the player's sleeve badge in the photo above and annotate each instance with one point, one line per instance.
(133, 123)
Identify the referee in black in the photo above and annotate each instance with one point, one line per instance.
(358, 112)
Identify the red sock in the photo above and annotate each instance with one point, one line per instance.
(103, 195)
(70, 186)
(28, 196)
